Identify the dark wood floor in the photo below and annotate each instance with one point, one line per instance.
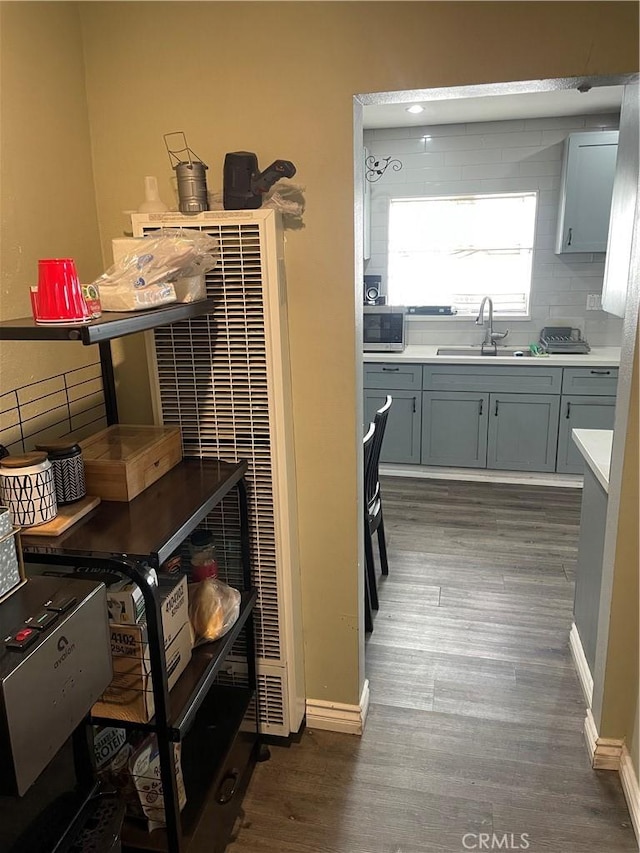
(476, 718)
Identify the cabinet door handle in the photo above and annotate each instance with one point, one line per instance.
(568, 415)
(601, 373)
(414, 405)
(496, 409)
(480, 407)
(570, 236)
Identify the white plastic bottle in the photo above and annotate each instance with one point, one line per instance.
(152, 202)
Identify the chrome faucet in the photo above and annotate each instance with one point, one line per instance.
(490, 337)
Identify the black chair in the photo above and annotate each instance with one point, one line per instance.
(374, 521)
(368, 618)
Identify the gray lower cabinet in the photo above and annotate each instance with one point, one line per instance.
(402, 434)
(390, 377)
(580, 412)
(454, 428)
(589, 568)
(489, 416)
(523, 432)
(590, 381)
(496, 378)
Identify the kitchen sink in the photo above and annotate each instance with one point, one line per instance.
(488, 353)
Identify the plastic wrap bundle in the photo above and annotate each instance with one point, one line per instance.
(166, 267)
(214, 608)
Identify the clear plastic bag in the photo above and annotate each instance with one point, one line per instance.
(144, 769)
(214, 608)
(285, 196)
(289, 199)
(190, 288)
(143, 278)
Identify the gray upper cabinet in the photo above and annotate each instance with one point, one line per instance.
(402, 434)
(577, 412)
(585, 197)
(523, 432)
(454, 428)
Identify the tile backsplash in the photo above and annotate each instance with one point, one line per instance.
(484, 157)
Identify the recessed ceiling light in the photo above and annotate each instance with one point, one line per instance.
(416, 108)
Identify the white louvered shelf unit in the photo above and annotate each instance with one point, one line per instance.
(224, 379)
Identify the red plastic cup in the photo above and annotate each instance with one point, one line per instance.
(59, 298)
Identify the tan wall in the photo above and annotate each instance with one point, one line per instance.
(620, 698)
(278, 79)
(47, 199)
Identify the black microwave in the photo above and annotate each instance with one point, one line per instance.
(383, 328)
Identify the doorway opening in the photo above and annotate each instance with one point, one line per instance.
(469, 146)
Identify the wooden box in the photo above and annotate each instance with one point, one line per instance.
(122, 461)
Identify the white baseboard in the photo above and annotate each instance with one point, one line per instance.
(582, 667)
(606, 753)
(631, 789)
(590, 734)
(483, 475)
(338, 717)
(612, 754)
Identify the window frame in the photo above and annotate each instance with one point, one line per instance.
(464, 318)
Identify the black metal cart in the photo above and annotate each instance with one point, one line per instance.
(216, 723)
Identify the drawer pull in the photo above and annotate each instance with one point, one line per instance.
(228, 787)
(391, 369)
(496, 409)
(601, 373)
(480, 407)
(568, 415)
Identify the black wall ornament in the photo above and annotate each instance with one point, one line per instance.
(376, 167)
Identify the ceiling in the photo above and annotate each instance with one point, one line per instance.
(564, 102)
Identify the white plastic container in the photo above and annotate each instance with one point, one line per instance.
(11, 568)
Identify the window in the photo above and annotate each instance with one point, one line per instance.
(453, 250)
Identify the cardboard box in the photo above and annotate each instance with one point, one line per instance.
(126, 604)
(130, 694)
(122, 461)
(129, 762)
(174, 599)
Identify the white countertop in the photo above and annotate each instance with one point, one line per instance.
(595, 446)
(601, 356)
